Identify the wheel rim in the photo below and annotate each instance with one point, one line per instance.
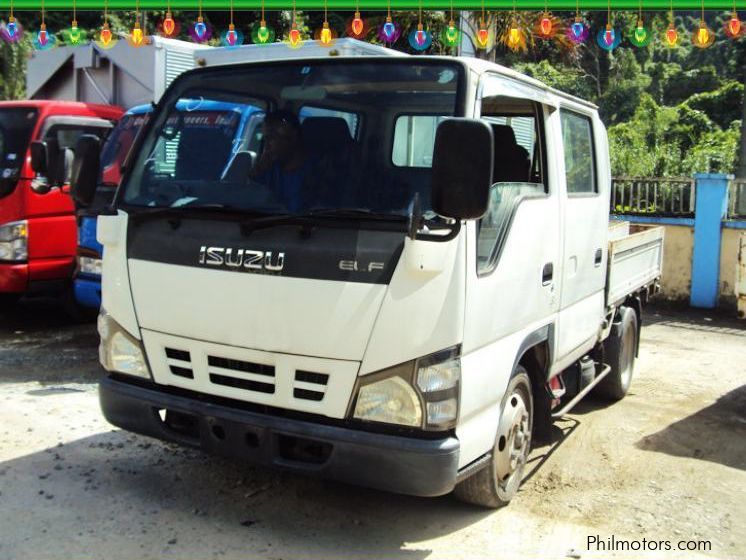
(513, 442)
(628, 357)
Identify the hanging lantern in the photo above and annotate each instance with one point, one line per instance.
(44, 40)
(357, 26)
(168, 27)
(231, 37)
(546, 27)
(106, 39)
(12, 31)
(515, 37)
(11, 28)
(389, 32)
(483, 35)
(294, 37)
(200, 32)
(42, 37)
(640, 35)
(671, 36)
(326, 35)
(74, 35)
(451, 35)
(608, 38)
(262, 34)
(136, 37)
(703, 37)
(578, 31)
(734, 28)
(420, 39)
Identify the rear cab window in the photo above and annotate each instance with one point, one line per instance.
(579, 153)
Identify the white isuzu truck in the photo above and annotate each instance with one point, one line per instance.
(395, 281)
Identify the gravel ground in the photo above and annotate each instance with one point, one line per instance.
(668, 462)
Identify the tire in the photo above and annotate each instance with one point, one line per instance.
(619, 352)
(496, 484)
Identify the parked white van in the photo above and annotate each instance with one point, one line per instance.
(399, 278)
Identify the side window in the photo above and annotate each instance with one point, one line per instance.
(67, 134)
(518, 170)
(350, 118)
(580, 168)
(414, 140)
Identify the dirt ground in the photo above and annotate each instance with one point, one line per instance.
(668, 462)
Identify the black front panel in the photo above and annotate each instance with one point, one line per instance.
(316, 252)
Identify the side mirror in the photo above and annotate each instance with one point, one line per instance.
(462, 168)
(40, 157)
(85, 169)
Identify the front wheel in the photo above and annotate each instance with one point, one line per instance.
(495, 485)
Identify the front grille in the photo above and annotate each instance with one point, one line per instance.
(179, 362)
(309, 385)
(238, 365)
(221, 373)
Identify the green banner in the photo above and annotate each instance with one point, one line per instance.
(375, 5)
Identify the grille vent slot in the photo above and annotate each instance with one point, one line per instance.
(249, 376)
(179, 362)
(309, 385)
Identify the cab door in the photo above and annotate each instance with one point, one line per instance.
(53, 234)
(584, 232)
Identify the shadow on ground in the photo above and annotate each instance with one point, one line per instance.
(699, 435)
(40, 342)
(146, 497)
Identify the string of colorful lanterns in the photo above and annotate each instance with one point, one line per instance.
(515, 37)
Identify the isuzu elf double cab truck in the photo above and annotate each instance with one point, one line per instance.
(409, 276)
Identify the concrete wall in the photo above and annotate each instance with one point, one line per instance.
(678, 246)
(729, 263)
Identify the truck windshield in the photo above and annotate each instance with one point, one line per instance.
(16, 126)
(117, 147)
(301, 136)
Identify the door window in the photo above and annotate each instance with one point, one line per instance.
(577, 138)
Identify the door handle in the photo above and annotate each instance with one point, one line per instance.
(547, 274)
(598, 257)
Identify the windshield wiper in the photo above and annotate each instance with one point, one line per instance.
(343, 213)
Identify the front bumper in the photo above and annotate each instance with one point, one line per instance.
(405, 465)
(14, 277)
(88, 292)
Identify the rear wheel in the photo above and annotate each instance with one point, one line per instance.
(495, 485)
(619, 352)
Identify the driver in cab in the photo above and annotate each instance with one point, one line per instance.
(284, 166)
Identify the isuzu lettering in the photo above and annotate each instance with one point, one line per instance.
(408, 275)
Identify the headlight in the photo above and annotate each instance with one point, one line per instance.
(89, 265)
(14, 241)
(422, 393)
(391, 400)
(119, 351)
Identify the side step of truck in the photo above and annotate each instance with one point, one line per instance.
(605, 369)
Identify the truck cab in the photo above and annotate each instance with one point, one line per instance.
(38, 234)
(403, 284)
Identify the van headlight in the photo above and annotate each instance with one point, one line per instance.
(119, 351)
(421, 393)
(14, 241)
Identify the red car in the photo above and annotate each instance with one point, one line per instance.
(38, 233)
